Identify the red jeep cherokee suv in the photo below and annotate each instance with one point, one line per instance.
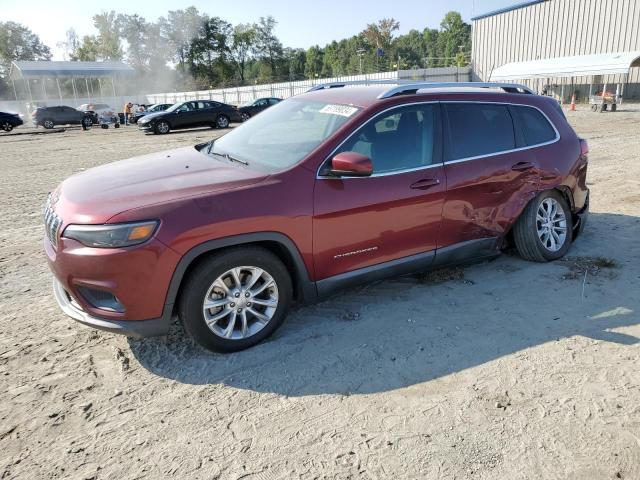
(342, 185)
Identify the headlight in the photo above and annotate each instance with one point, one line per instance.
(112, 236)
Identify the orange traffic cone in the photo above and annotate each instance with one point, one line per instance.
(572, 107)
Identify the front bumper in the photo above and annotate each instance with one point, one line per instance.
(145, 127)
(137, 328)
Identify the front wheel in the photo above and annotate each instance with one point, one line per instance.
(162, 127)
(544, 230)
(235, 299)
(48, 123)
(222, 121)
(245, 116)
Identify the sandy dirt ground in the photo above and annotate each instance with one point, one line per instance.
(502, 370)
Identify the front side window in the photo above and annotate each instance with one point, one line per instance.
(186, 107)
(477, 129)
(283, 135)
(535, 127)
(398, 140)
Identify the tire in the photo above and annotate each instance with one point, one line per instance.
(48, 123)
(162, 128)
(104, 126)
(7, 127)
(535, 246)
(614, 107)
(86, 123)
(201, 284)
(222, 121)
(116, 125)
(594, 108)
(245, 116)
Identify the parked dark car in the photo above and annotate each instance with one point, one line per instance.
(158, 107)
(9, 121)
(325, 190)
(49, 117)
(254, 107)
(196, 113)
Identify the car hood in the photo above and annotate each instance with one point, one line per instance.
(150, 116)
(98, 194)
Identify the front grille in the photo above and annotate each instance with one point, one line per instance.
(52, 222)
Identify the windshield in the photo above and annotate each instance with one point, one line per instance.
(174, 107)
(284, 134)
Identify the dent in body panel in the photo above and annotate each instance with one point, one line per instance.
(485, 196)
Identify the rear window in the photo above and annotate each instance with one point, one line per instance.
(535, 126)
(477, 129)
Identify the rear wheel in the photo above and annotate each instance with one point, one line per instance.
(235, 299)
(543, 231)
(222, 121)
(48, 123)
(7, 127)
(162, 127)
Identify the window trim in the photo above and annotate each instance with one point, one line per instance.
(437, 152)
(515, 124)
(442, 162)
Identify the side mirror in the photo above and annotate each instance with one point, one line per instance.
(351, 164)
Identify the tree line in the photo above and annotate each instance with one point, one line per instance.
(189, 49)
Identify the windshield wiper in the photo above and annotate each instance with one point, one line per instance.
(226, 156)
(235, 159)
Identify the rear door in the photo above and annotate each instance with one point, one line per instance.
(395, 213)
(491, 174)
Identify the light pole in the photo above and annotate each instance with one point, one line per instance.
(360, 52)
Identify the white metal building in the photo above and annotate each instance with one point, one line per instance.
(554, 29)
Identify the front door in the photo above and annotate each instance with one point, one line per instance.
(395, 213)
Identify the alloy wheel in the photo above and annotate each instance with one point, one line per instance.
(245, 117)
(240, 302)
(222, 122)
(551, 223)
(163, 127)
(7, 127)
(48, 124)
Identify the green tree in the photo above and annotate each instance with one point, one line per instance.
(179, 28)
(411, 48)
(209, 54)
(314, 62)
(133, 28)
(454, 37)
(267, 48)
(17, 42)
(108, 38)
(70, 45)
(243, 41)
(88, 51)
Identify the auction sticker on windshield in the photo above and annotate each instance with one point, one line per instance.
(342, 110)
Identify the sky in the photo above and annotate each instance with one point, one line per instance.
(300, 24)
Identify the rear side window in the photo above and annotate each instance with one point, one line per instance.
(535, 126)
(478, 129)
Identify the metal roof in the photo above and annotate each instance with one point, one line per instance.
(29, 69)
(565, 67)
(507, 9)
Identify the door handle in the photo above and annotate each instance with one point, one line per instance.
(425, 183)
(522, 166)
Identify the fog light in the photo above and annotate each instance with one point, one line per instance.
(101, 299)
